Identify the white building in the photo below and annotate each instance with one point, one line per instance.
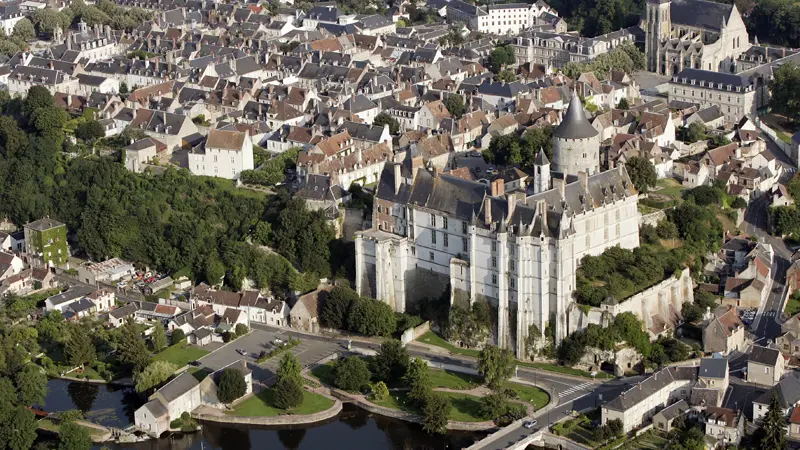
(507, 18)
(518, 253)
(225, 154)
(108, 271)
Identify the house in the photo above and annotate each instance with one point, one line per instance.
(710, 117)
(116, 318)
(723, 424)
(794, 424)
(181, 394)
(103, 299)
(46, 243)
(713, 374)
(61, 301)
(788, 393)
(195, 319)
(744, 292)
(225, 154)
(641, 402)
(779, 196)
(695, 174)
(142, 152)
(664, 419)
(723, 331)
(28, 281)
(362, 107)
(79, 309)
(765, 366)
(304, 315)
(158, 285)
(432, 114)
(320, 193)
(108, 272)
(10, 264)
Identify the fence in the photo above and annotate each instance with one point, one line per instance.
(414, 333)
(788, 149)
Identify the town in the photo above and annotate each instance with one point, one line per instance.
(445, 223)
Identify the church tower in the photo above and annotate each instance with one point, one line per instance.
(657, 26)
(576, 143)
(541, 179)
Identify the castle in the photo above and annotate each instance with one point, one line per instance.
(692, 34)
(516, 250)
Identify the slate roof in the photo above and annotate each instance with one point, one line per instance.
(764, 355)
(178, 386)
(713, 367)
(575, 125)
(74, 293)
(650, 386)
(788, 390)
(674, 410)
(699, 13)
(708, 76)
(156, 408)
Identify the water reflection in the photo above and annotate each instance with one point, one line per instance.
(354, 429)
(111, 406)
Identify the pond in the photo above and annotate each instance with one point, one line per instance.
(353, 429)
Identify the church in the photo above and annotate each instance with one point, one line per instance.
(517, 250)
(692, 34)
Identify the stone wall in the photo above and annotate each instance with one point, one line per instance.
(653, 306)
(288, 419)
(414, 333)
(652, 218)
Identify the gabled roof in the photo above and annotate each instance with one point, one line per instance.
(713, 367)
(764, 355)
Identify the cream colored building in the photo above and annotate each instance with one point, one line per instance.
(734, 95)
(765, 366)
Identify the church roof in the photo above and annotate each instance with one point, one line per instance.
(575, 125)
(541, 159)
(699, 13)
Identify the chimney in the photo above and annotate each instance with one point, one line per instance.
(487, 210)
(359, 155)
(512, 203)
(559, 183)
(584, 179)
(69, 100)
(69, 41)
(498, 187)
(416, 163)
(398, 177)
(51, 64)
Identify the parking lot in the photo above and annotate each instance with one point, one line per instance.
(308, 352)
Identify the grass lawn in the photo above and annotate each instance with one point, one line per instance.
(670, 187)
(199, 374)
(49, 425)
(785, 137)
(465, 407)
(792, 305)
(434, 339)
(260, 405)
(563, 369)
(579, 430)
(652, 440)
(454, 380)
(531, 394)
(180, 354)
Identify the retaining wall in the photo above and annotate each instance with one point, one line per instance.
(412, 334)
(289, 419)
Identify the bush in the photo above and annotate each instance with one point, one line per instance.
(241, 329)
(380, 392)
(178, 336)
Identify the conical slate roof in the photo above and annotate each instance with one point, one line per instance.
(541, 158)
(575, 125)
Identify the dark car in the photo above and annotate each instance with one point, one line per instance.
(194, 363)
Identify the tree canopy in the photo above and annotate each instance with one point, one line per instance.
(496, 365)
(232, 385)
(351, 374)
(642, 172)
(500, 57)
(385, 119)
(785, 87)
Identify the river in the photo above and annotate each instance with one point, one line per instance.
(353, 429)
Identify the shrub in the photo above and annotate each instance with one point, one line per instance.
(288, 394)
(178, 336)
(231, 385)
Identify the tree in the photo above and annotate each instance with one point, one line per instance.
(785, 89)
(288, 394)
(90, 130)
(74, 437)
(391, 361)
(31, 385)
(215, 271)
(435, 414)
(158, 337)
(380, 392)
(231, 385)
(496, 365)
(455, 105)
(623, 104)
(79, 348)
(123, 87)
(24, 30)
(494, 405)
(773, 430)
(717, 141)
(504, 150)
(371, 317)
(642, 173)
(38, 97)
(351, 374)
(507, 75)
(20, 433)
(615, 427)
(132, 349)
(336, 308)
(419, 380)
(691, 312)
(303, 237)
(177, 336)
(289, 369)
(156, 373)
(385, 119)
(693, 133)
(531, 341)
(500, 57)
(49, 119)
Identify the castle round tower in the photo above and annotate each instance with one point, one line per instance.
(576, 144)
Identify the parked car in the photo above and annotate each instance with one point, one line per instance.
(241, 351)
(530, 424)
(122, 284)
(278, 341)
(194, 363)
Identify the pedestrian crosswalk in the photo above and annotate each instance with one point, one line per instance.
(575, 389)
(769, 314)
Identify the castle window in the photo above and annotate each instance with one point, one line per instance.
(464, 244)
(433, 220)
(494, 279)
(431, 255)
(444, 222)
(512, 265)
(494, 246)
(413, 251)
(411, 231)
(464, 227)
(433, 237)
(511, 282)
(446, 240)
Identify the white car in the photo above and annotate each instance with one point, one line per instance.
(278, 341)
(529, 424)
